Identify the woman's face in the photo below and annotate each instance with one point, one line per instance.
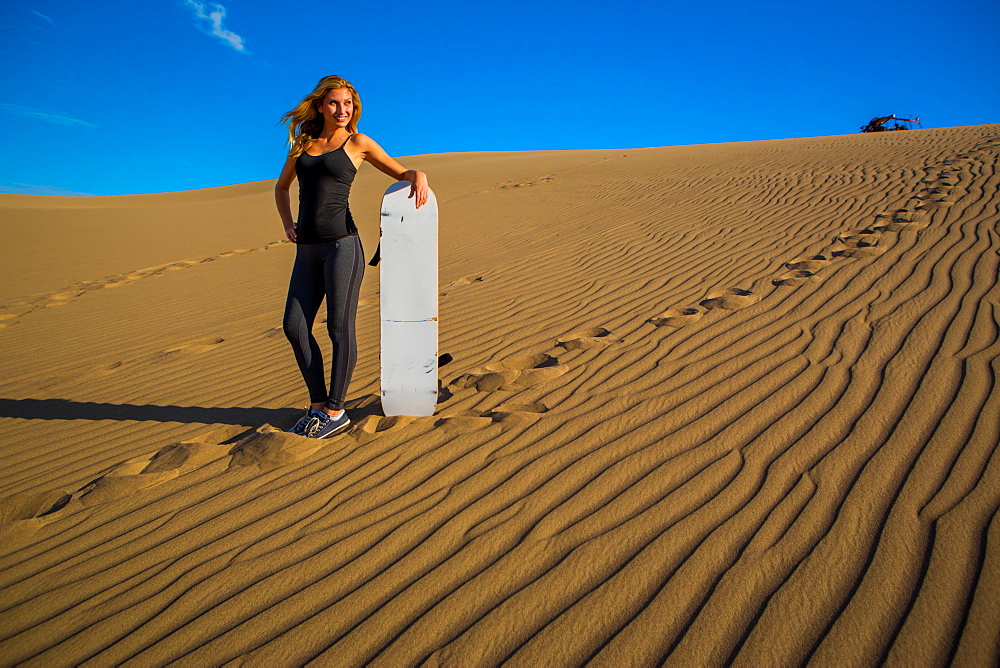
(337, 107)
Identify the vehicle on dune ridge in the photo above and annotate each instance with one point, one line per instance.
(877, 124)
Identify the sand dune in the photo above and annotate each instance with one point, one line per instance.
(732, 403)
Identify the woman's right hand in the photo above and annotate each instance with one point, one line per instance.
(283, 200)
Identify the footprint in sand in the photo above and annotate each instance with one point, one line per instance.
(812, 263)
(897, 221)
(472, 420)
(861, 244)
(512, 374)
(730, 299)
(464, 421)
(929, 196)
(104, 369)
(369, 427)
(20, 507)
(795, 278)
(847, 251)
(677, 317)
(62, 298)
(935, 204)
(268, 448)
(518, 414)
(802, 270)
(902, 224)
(186, 454)
(465, 280)
(22, 305)
(870, 251)
(598, 337)
(524, 184)
(200, 346)
(179, 265)
(237, 251)
(534, 408)
(126, 478)
(8, 319)
(536, 361)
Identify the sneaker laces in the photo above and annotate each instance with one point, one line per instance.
(315, 424)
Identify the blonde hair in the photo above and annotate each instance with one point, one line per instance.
(305, 122)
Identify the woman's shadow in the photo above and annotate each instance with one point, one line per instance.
(65, 409)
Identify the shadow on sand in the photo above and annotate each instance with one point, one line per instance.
(65, 409)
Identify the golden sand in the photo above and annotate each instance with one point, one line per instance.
(708, 404)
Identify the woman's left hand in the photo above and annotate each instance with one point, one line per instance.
(419, 188)
(378, 158)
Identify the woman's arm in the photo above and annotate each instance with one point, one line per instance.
(382, 161)
(283, 200)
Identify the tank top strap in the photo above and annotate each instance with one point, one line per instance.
(346, 140)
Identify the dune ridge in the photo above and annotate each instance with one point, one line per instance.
(733, 403)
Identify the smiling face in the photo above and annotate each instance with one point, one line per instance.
(337, 108)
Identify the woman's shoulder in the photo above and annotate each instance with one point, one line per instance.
(362, 140)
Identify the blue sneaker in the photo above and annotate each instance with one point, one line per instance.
(323, 425)
(303, 423)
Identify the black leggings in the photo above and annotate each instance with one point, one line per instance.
(332, 269)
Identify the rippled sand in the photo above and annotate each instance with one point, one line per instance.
(707, 404)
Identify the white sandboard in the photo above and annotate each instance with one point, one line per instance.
(409, 303)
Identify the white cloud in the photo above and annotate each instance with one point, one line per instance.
(211, 22)
(43, 16)
(46, 116)
(36, 189)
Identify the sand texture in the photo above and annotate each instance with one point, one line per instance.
(731, 403)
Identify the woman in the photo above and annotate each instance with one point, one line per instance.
(326, 151)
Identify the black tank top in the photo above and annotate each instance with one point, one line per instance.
(324, 186)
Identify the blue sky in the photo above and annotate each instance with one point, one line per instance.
(115, 97)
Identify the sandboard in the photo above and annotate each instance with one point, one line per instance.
(408, 280)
